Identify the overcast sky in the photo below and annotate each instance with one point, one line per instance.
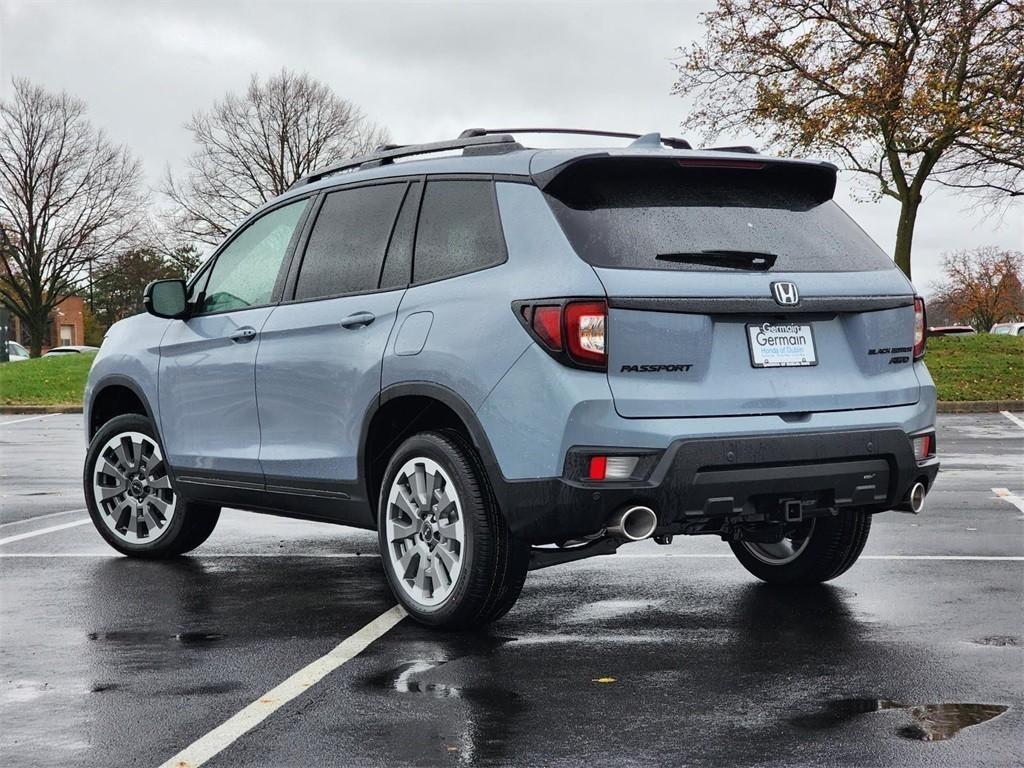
(424, 70)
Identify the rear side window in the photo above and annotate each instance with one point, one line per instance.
(636, 214)
(458, 230)
(346, 248)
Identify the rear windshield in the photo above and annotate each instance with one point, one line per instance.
(625, 213)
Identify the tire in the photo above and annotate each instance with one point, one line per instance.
(822, 549)
(136, 518)
(459, 567)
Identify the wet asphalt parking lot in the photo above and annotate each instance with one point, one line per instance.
(655, 656)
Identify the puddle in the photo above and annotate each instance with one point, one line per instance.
(938, 722)
(139, 638)
(931, 722)
(1000, 641)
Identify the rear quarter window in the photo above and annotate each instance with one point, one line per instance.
(458, 230)
(625, 213)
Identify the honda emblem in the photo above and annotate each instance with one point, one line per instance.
(785, 293)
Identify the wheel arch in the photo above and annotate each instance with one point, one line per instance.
(115, 396)
(410, 407)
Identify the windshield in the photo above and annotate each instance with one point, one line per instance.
(627, 213)
(1002, 330)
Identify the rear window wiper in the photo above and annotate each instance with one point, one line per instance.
(753, 260)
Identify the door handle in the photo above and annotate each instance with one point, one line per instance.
(242, 335)
(358, 320)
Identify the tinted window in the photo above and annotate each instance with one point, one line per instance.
(346, 247)
(627, 213)
(245, 272)
(398, 265)
(458, 230)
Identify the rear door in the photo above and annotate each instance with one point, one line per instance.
(737, 287)
(319, 363)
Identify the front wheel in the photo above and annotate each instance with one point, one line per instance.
(448, 554)
(131, 497)
(816, 550)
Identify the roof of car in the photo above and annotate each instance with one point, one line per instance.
(505, 157)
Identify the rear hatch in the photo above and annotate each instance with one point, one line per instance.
(736, 286)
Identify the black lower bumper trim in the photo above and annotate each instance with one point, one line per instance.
(707, 478)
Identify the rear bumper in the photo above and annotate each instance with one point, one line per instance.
(699, 482)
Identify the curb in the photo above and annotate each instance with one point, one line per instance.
(6, 410)
(979, 406)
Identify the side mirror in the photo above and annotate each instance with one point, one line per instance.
(166, 298)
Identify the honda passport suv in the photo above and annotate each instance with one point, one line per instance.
(503, 358)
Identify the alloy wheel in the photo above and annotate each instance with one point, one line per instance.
(426, 535)
(785, 551)
(132, 488)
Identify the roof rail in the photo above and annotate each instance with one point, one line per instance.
(388, 153)
(670, 141)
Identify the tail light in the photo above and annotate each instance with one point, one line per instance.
(573, 331)
(920, 329)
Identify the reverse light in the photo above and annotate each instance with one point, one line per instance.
(573, 331)
(920, 328)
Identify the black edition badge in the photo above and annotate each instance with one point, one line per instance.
(677, 368)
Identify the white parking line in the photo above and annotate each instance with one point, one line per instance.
(41, 531)
(1014, 419)
(30, 418)
(41, 517)
(244, 721)
(1005, 495)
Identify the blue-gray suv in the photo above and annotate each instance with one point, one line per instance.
(503, 358)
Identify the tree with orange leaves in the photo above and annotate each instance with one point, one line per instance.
(905, 92)
(982, 286)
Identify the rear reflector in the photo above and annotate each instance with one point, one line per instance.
(920, 329)
(924, 446)
(612, 467)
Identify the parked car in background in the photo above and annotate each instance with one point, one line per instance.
(515, 358)
(16, 352)
(1008, 329)
(952, 330)
(70, 350)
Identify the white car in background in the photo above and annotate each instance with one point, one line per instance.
(15, 352)
(1008, 329)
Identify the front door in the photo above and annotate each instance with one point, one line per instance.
(207, 388)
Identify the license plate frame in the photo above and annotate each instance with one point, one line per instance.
(781, 355)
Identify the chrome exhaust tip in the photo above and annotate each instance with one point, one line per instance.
(632, 523)
(915, 499)
(913, 502)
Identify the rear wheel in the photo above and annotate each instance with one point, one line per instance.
(817, 550)
(448, 554)
(131, 497)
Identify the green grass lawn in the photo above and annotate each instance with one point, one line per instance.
(982, 367)
(45, 380)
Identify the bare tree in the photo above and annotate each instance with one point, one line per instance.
(253, 147)
(905, 92)
(982, 286)
(68, 197)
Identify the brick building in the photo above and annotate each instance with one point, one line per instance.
(66, 326)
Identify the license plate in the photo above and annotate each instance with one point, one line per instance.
(781, 345)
